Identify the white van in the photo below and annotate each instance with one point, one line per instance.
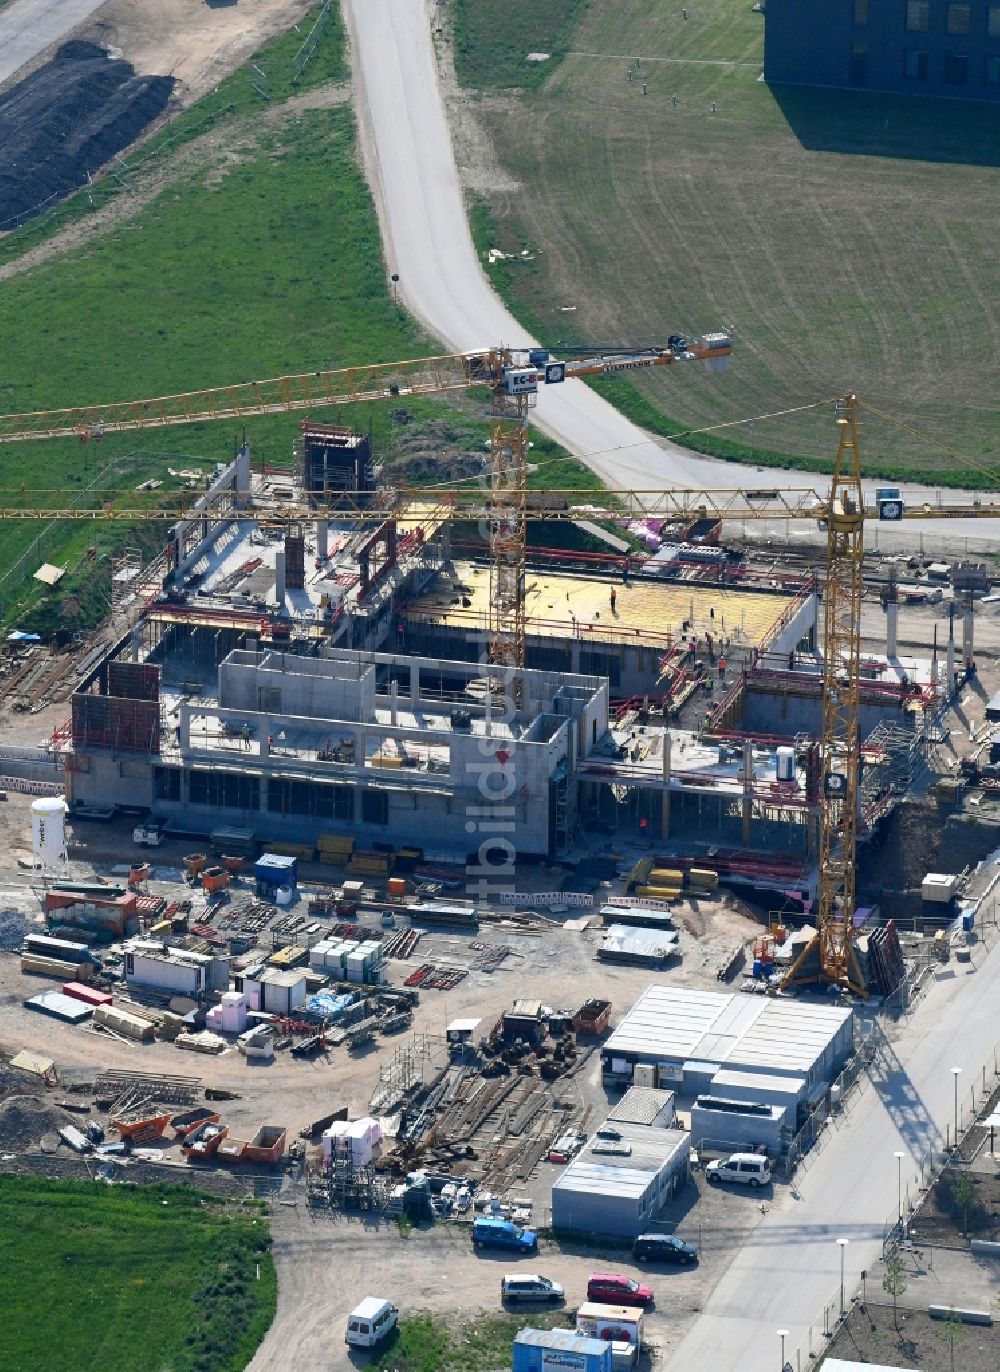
(371, 1322)
(748, 1169)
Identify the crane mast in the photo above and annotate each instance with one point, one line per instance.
(840, 742)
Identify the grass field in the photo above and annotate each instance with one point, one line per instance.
(426, 1343)
(260, 259)
(846, 241)
(126, 1278)
(493, 55)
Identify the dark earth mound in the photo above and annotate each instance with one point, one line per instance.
(67, 119)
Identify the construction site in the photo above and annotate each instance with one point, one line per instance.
(370, 866)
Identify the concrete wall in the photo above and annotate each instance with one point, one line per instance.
(301, 686)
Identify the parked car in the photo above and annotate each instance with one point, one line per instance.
(746, 1169)
(664, 1248)
(372, 1321)
(523, 1288)
(610, 1288)
(497, 1233)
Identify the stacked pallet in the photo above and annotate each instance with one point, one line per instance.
(701, 880)
(292, 956)
(305, 852)
(663, 883)
(335, 849)
(364, 864)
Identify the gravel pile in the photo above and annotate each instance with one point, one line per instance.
(67, 119)
(24, 1119)
(13, 927)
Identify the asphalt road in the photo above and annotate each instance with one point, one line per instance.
(789, 1268)
(28, 27)
(412, 170)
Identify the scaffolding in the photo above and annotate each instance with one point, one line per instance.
(894, 759)
(341, 1185)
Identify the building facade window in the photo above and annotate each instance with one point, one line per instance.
(915, 65)
(918, 14)
(993, 21)
(374, 806)
(993, 71)
(956, 69)
(861, 13)
(958, 19)
(858, 66)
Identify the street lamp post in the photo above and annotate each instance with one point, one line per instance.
(842, 1244)
(956, 1072)
(782, 1335)
(899, 1187)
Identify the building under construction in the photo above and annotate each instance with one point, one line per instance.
(325, 675)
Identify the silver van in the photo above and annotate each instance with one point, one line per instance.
(517, 1288)
(747, 1169)
(370, 1322)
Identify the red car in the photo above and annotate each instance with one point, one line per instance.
(612, 1289)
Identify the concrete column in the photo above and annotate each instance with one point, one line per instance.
(185, 729)
(136, 643)
(950, 679)
(665, 806)
(891, 628)
(414, 685)
(393, 702)
(243, 476)
(747, 791)
(322, 541)
(279, 579)
(967, 636)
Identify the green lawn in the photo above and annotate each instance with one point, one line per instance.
(845, 241)
(162, 1279)
(427, 1343)
(492, 42)
(259, 261)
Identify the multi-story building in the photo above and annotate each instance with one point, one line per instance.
(945, 48)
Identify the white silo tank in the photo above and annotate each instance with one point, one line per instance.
(48, 830)
(786, 764)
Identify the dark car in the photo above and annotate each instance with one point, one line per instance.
(610, 1288)
(664, 1248)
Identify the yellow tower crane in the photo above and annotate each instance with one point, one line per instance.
(513, 377)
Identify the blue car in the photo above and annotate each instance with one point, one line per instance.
(497, 1233)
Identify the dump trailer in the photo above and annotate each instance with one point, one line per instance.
(189, 1120)
(204, 1141)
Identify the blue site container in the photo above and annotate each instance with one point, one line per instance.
(534, 1350)
(968, 920)
(275, 869)
(758, 967)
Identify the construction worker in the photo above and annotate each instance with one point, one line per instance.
(614, 597)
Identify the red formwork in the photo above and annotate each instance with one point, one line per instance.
(123, 725)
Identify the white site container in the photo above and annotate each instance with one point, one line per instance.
(234, 1012)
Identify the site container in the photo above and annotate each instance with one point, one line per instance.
(44, 946)
(88, 994)
(276, 869)
(539, 1350)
